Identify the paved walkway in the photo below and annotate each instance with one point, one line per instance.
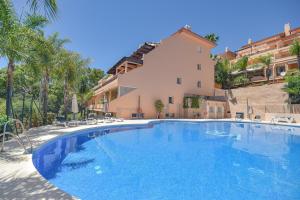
(18, 176)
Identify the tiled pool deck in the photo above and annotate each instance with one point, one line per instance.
(18, 177)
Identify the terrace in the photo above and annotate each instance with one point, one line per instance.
(109, 88)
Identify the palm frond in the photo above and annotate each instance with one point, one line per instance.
(35, 22)
(48, 7)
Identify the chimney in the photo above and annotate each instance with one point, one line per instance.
(188, 27)
(287, 29)
(249, 41)
(226, 49)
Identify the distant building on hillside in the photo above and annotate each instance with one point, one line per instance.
(277, 46)
(178, 71)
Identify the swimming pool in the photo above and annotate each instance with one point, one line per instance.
(176, 160)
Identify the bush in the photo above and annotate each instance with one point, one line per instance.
(3, 120)
(50, 117)
(240, 80)
(293, 86)
(195, 102)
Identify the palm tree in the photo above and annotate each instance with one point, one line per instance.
(44, 58)
(295, 50)
(15, 37)
(242, 64)
(223, 72)
(212, 37)
(49, 7)
(69, 67)
(266, 61)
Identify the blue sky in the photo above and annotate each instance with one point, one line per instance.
(107, 30)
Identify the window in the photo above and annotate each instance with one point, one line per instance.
(199, 49)
(179, 81)
(171, 100)
(199, 84)
(199, 66)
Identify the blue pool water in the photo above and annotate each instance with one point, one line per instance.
(176, 161)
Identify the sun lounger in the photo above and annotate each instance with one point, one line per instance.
(239, 115)
(82, 122)
(60, 121)
(91, 119)
(73, 123)
(100, 120)
(109, 118)
(282, 119)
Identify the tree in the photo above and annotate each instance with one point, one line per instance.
(295, 50)
(69, 67)
(15, 37)
(223, 72)
(87, 80)
(293, 85)
(43, 59)
(266, 61)
(242, 64)
(48, 7)
(159, 106)
(212, 37)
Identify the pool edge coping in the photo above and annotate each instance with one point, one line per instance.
(69, 131)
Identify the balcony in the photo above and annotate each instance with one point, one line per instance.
(270, 48)
(106, 84)
(285, 59)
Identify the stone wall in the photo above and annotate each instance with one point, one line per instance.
(269, 98)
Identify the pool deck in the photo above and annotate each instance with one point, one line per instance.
(20, 180)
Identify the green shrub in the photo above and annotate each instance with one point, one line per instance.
(185, 102)
(195, 102)
(3, 120)
(240, 80)
(293, 85)
(50, 117)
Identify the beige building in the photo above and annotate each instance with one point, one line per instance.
(277, 46)
(177, 69)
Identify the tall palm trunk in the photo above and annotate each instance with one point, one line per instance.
(9, 87)
(65, 98)
(45, 91)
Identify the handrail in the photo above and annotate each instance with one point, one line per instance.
(19, 140)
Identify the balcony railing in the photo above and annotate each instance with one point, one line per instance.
(106, 81)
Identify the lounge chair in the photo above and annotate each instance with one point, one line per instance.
(137, 115)
(282, 119)
(91, 119)
(100, 120)
(239, 115)
(109, 118)
(73, 123)
(82, 122)
(60, 121)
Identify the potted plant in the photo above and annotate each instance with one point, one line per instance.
(159, 106)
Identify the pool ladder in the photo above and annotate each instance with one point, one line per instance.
(16, 136)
